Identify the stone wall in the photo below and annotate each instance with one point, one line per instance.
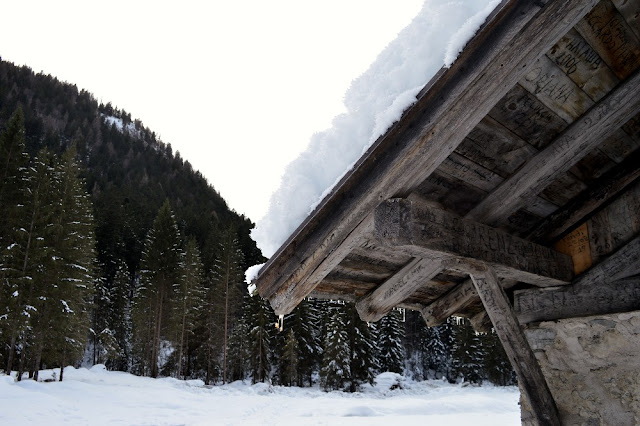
(592, 366)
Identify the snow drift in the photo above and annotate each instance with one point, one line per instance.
(374, 102)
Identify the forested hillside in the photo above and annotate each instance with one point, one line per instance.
(114, 250)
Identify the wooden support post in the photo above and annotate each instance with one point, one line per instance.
(600, 290)
(530, 378)
(392, 292)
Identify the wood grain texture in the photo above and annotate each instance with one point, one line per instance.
(589, 201)
(567, 149)
(530, 378)
(423, 230)
(396, 289)
(597, 291)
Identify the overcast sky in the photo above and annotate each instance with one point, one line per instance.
(238, 87)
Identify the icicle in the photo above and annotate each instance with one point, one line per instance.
(280, 323)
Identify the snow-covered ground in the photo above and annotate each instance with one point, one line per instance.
(96, 396)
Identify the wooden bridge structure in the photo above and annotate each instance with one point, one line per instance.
(508, 193)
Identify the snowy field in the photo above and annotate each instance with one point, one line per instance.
(95, 396)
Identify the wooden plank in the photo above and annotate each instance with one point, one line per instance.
(600, 236)
(572, 144)
(583, 65)
(609, 35)
(462, 168)
(450, 304)
(549, 304)
(530, 378)
(596, 196)
(396, 289)
(631, 12)
(423, 230)
(619, 146)
(523, 114)
(447, 109)
(556, 90)
(619, 222)
(576, 245)
(496, 148)
(594, 292)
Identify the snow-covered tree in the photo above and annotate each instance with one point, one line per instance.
(390, 342)
(363, 364)
(160, 276)
(336, 358)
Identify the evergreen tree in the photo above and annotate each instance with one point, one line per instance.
(467, 353)
(227, 290)
(291, 359)
(363, 364)
(260, 353)
(496, 365)
(160, 275)
(13, 160)
(190, 300)
(27, 258)
(336, 358)
(390, 348)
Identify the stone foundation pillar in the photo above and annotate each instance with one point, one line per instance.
(592, 366)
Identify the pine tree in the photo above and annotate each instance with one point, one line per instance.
(260, 352)
(291, 360)
(227, 290)
(190, 300)
(160, 275)
(27, 259)
(390, 348)
(363, 364)
(496, 365)
(336, 357)
(467, 353)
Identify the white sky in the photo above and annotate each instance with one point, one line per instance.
(238, 87)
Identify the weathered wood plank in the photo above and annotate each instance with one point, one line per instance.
(594, 292)
(470, 172)
(556, 90)
(597, 195)
(619, 146)
(451, 303)
(576, 245)
(523, 114)
(530, 378)
(609, 34)
(496, 148)
(600, 236)
(631, 12)
(572, 144)
(418, 228)
(396, 289)
(583, 65)
(447, 109)
(548, 304)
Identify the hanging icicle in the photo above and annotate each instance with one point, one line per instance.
(280, 323)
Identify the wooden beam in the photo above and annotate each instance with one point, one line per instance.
(396, 289)
(447, 110)
(450, 304)
(597, 291)
(576, 141)
(423, 230)
(559, 223)
(548, 304)
(530, 378)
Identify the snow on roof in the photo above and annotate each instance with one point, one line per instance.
(374, 102)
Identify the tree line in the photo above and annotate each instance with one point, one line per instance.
(141, 269)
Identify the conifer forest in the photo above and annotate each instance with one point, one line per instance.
(115, 251)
